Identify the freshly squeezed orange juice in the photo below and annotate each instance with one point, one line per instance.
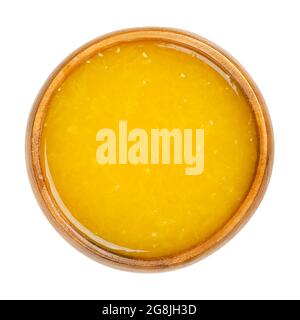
(149, 148)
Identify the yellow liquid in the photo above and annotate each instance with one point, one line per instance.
(148, 210)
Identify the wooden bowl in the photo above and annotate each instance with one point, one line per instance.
(238, 219)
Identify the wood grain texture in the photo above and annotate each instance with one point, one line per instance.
(238, 219)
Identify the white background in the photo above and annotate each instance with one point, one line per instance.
(262, 261)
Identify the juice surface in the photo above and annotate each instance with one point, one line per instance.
(148, 210)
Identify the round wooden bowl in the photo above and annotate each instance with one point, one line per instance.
(238, 219)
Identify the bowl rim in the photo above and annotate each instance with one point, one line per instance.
(238, 219)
